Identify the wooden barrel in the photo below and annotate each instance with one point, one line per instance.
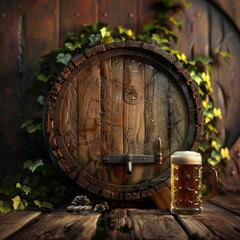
(116, 113)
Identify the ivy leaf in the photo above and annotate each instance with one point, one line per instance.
(94, 37)
(26, 123)
(175, 22)
(212, 128)
(32, 166)
(217, 112)
(216, 155)
(149, 26)
(30, 126)
(4, 207)
(64, 58)
(204, 60)
(18, 203)
(197, 77)
(41, 100)
(216, 144)
(158, 39)
(25, 188)
(225, 153)
(107, 40)
(226, 55)
(43, 204)
(182, 57)
(34, 127)
(126, 31)
(105, 32)
(71, 46)
(212, 162)
(43, 78)
(204, 146)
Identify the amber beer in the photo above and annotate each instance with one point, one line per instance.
(186, 182)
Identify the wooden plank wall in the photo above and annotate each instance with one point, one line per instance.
(30, 29)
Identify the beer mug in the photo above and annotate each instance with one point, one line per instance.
(186, 182)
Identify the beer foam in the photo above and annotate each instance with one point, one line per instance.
(186, 158)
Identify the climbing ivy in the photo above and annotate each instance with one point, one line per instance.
(38, 185)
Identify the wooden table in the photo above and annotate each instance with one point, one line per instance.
(220, 220)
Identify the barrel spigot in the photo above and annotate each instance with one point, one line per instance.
(128, 163)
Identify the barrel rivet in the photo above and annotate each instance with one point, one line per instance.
(130, 15)
(105, 14)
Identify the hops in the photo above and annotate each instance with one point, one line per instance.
(78, 208)
(82, 203)
(103, 207)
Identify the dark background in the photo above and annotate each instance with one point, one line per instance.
(31, 29)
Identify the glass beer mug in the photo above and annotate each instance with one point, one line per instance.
(186, 182)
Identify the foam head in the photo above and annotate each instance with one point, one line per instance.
(186, 158)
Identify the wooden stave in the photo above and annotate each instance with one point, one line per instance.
(58, 151)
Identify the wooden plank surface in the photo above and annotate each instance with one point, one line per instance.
(230, 202)
(214, 223)
(143, 224)
(14, 221)
(219, 220)
(61, 225)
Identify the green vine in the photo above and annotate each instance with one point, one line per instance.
(38, 185)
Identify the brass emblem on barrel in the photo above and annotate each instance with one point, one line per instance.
(130, 95)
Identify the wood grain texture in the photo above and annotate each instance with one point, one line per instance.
(124, 100)
(14, 221)
(89, 119)
(112, 116)
(38, 41)
(134, 119)
(214, 223)
(143, 224)
(206, 30)
(232, 10)
(54, 19)
(11, 86)
(231, 178)
(70, 120)
(74, 14)
(61, 225)
(146, 12)
(125, 13)
(219, 220)
(229, 202)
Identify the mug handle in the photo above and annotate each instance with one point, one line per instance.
(214, 182)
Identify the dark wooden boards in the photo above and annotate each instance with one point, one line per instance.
(11, 86)
(214, 223)
(219, 220)
(229, 201)
(14, 221)
(61, 225)
(143, 224)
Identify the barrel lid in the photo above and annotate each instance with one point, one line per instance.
(114, 102)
